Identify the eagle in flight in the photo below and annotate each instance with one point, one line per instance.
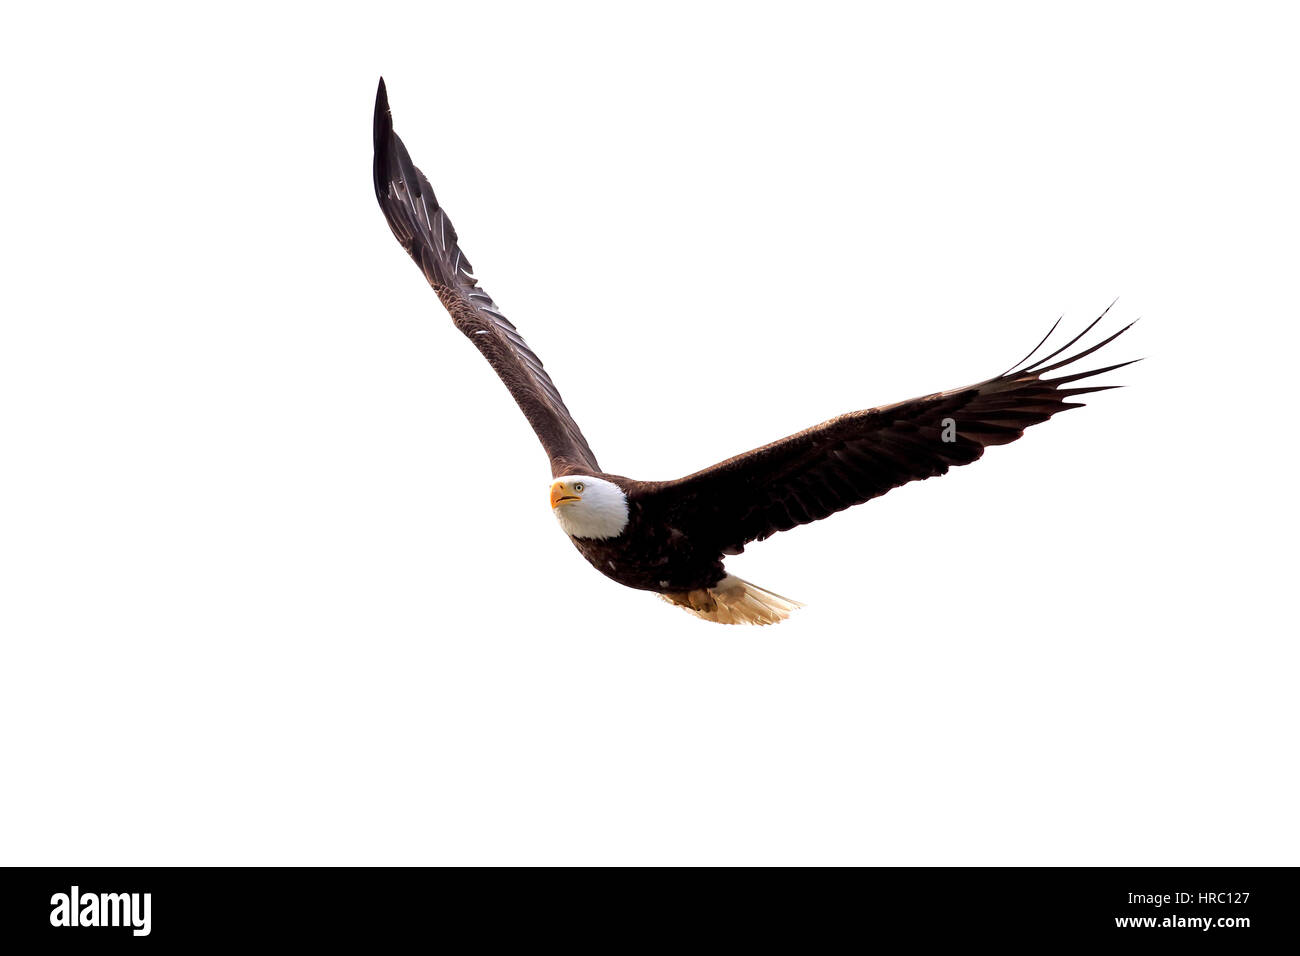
(672, 537)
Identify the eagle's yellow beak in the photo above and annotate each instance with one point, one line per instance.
(559, 495)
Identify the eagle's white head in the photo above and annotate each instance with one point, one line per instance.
(588, 507)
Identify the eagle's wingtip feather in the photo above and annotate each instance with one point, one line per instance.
(383, 117)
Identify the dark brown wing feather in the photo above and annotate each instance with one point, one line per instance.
(862, 455)
(423, 229)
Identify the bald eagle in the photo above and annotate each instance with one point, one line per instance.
(671, 537)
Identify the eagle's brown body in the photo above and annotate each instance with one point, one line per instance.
(677, 533)
(653, 554)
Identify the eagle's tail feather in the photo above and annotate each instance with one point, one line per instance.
(734, 601)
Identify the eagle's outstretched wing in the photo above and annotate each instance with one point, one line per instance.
(861, 455)
(423, 229)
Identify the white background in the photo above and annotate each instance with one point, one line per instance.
(279, 579)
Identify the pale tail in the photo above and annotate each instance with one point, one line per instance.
(733, 601)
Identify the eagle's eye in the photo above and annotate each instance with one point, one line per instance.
(577, 486)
